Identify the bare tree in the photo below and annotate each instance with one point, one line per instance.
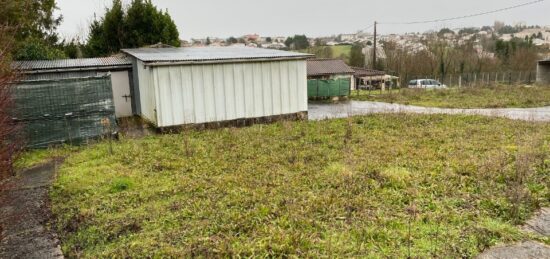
(9, 142)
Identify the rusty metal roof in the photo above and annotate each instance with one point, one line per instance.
(62, 64)
(319, 67)
(209, 54)
(362, 72)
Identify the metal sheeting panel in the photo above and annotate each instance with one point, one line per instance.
(70, 63)
(146, 96)
(209, 53)
(192, 94)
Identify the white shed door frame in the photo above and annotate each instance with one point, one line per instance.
(122, 96)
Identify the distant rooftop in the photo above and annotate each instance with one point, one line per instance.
(62, 64)
(320, 67)
(209, 54)
(362, 72)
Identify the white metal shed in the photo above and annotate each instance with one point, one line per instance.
(179, 86)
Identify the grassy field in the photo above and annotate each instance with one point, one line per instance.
(386, 186)
(480, 97)
(340, 51)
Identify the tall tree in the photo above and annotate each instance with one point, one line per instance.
(356, 56)
(36, 24)
(97, 44)
(113, 27)
(140, 25)
(301, 42)
(147, 25)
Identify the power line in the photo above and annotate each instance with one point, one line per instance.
(368, 28)
(464, 16)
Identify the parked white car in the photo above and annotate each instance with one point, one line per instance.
(426, 83)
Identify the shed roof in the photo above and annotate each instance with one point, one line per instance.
(545, 61)
(362, 72)
(65, 64)
(319, 67)
(199, 54)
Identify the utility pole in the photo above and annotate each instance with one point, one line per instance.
(374, 49)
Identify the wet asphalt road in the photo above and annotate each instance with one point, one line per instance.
(321, 111)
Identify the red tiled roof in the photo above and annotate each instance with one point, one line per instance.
(319, 67)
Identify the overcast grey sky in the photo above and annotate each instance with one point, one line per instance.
(223, 18)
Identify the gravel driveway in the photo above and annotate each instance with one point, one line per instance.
(321, 111)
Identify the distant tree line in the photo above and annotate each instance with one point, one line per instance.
(441, 59)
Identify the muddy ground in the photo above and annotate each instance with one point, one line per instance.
(25, 215)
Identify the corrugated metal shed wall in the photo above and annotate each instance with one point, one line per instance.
(190, 94)
(146, 92)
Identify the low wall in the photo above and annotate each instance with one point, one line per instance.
(237, 123)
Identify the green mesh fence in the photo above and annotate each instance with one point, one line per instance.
(317, 88)
(64, 110)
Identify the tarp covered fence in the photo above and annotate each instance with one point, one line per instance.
(64, 110)
(328, 88)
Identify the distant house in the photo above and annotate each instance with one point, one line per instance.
(327, 69)
(348, 37)
(543, 72)
(368, 77)
(252, 37)
(329, 78)
(181, 86)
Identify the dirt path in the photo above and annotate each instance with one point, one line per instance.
(321, 111)
(540, 225)
(24, 214)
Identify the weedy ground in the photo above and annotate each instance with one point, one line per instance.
(502, 96)
(35, 157)
(375, 186)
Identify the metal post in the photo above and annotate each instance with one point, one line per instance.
(374, 48)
